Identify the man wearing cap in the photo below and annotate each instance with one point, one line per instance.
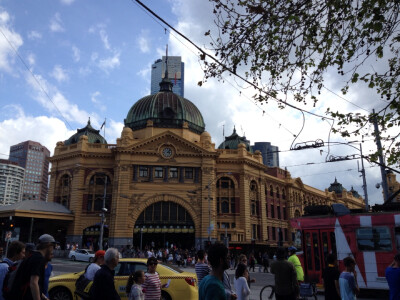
(95, 266)
(296, 263)
(32, 270)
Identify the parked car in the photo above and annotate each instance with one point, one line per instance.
(183, 285)
(81, 254)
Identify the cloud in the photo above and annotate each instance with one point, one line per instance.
(67, 2)
(109, 63)
(104, 39)
(13, 41)
(56, 23)
(95, 100)
(144, 41)
(76, 53)
(59, 74)
(54, 101)
(31, 59)
(21, 127)
(34, 35)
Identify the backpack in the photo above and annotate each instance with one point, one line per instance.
(10, 290)
(82, 282)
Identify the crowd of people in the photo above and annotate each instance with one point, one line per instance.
(32, 267)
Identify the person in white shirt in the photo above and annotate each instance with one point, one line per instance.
(95, 266)
(241, 286)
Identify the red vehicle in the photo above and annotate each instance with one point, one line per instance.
(372, 239)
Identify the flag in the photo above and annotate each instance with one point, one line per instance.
(104, 123)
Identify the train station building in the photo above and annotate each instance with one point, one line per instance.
(164, 181)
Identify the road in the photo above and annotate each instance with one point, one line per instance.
(62, 266)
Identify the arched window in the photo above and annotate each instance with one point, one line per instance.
(226, 198)
(277, 193)
(63, 195)
(254, 199)
(100, 191)
(283, 194)
(271, 190)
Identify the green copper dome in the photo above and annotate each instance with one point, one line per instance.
(92, 134)
(166, 109)
(233, 141)
(336, 187)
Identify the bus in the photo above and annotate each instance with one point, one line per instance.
(371, 238)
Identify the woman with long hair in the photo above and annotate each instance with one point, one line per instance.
(241, 286)
(134, 288)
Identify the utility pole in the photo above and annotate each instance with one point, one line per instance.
(103, 211)
(381, 161)
(364, 181)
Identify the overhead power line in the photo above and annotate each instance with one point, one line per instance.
(204, 54)
(34, 77)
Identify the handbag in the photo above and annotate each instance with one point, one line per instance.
(82, 282)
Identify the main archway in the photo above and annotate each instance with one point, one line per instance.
(164, 223)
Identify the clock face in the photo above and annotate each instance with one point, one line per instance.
(167, 152)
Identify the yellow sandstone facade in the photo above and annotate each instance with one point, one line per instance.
(165, 182)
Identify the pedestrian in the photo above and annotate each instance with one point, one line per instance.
(230, 293)
(348, 280)
(95, 265)
(48, 268)
(252, 261)
(201, 268)
(31, 273)
(392, 274)
(152, 283)
(211, 287)
(296, 263)
(134, 289)
(241, 286)
(243, 260)
(103, 287)
(330, 276)
(15, 252)
(286, 284)
(29, 248)
(265, 261)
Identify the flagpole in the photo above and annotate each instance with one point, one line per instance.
(105, 128)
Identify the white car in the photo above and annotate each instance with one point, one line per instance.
(81, 254)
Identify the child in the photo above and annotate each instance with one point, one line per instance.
(241, 286)
(134, 286)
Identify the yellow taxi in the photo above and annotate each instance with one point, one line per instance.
(183, 285)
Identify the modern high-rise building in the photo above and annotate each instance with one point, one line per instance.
(34, 158)
(176, 72)
(270, 154)
(11, 182)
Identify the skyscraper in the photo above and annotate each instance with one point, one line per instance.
(270, 153)
(176, 72)
(35, 159)
(11, 182)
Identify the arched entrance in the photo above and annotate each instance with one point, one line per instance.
(162, 224)
(91, 236)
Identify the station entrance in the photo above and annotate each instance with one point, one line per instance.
(163, 224)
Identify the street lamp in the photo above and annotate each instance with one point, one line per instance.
(103, 212)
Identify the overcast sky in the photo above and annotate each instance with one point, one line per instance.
(63, 61)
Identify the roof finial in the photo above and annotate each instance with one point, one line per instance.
(166, 84)
(166, 62)
(88, 122)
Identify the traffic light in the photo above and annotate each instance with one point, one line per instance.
(11, 224)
